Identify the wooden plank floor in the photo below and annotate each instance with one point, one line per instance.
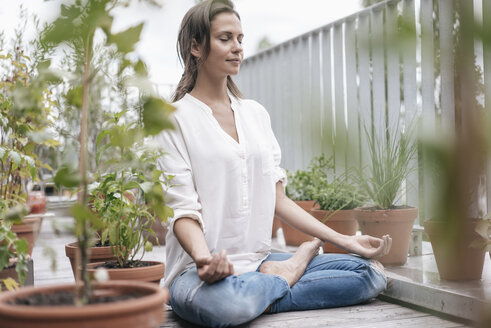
(376, 313)
(373, 314)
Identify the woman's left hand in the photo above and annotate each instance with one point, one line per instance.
(370, 247)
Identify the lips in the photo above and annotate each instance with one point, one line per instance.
(236, 60)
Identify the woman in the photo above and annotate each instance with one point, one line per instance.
(227, 185)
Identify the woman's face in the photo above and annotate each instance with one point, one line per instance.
(226, 52)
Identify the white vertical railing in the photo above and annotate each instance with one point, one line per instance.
(370, 69)
(352, 105)
(327, 135)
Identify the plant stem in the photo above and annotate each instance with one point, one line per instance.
(84, 291)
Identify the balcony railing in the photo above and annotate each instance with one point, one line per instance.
(391, 63)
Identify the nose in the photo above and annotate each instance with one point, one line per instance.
(237, 47)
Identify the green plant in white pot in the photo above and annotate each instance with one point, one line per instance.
(390, 156)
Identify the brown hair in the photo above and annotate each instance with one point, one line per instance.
(196, 25)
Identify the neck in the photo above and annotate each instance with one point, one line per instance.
(210, 89)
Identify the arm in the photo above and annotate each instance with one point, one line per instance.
(211, 268)
(295, 216)
(187, 223)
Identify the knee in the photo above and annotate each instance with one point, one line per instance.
(237, 312)
(204, 307)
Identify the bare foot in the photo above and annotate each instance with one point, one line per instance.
(292, 269)
(378, 267)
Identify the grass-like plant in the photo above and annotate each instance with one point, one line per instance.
(390, 155)
(341, 194)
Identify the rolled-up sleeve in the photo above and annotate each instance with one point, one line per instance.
(181, 193)
(279, 174)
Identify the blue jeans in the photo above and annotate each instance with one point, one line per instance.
(330, 280)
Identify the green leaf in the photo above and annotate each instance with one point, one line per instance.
(148, 246)
(21, 246)
(113, 234)
(83, 214)
(16, 214)
(74, 96)
(156, 116)
(126, 40)
(140, 68)
(146, 187)
(101, 136)
(130, 185)
(67, 177)
(4, 256)
(100, 151)
(15, 157)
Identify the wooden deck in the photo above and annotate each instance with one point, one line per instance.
(376, 313)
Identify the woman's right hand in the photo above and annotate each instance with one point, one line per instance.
(214, 268)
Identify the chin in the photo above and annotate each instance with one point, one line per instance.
(234, 72)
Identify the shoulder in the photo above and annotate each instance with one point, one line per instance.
(184, 107)
(253, 107)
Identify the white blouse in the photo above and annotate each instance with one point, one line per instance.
(225, 185)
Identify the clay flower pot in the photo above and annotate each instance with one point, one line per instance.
(28, 230)
(342, 221)
(145, 311)
(293, 237)
(97, 254)
(454, 258)
(398, 223)
(152, 273)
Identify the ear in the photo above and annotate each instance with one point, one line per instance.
(196, 49)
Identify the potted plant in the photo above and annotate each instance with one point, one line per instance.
(336, 201)
(126, 192)
(301, 188)
(13, 256)
(24, 116)
(458, 238)
(390, 155)
(102, 304)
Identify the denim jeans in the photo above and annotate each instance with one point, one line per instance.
(330, 280)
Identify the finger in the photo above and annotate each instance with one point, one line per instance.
(222, 268)
(390, 243)
(228, 266)
(212, 267)
(387, 244)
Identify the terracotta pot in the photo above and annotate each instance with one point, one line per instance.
(454, 258)
(152, 273)
(398, 223)
(28, 230)
(36, 200)
(293, 237)
(146, 311)
(342, 221)
(97, 254)
(276, 226)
